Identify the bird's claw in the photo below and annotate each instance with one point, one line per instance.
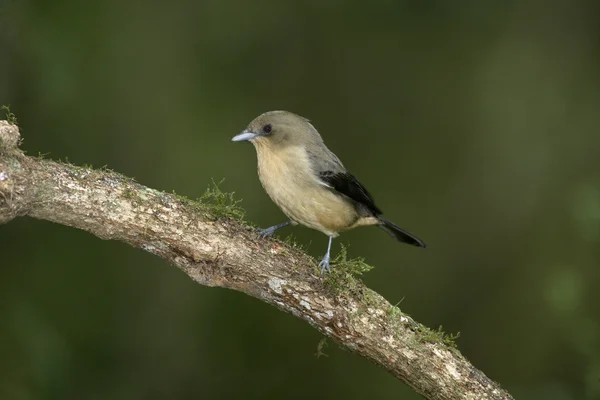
(324, 264)
(267, 232)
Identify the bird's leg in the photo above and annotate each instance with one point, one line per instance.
(267, 232)
(324, 264)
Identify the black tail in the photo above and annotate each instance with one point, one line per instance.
(400, 234)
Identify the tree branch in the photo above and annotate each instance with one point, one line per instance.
(224, 252)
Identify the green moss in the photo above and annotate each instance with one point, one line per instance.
(10, 117)
(398, 320)
(128, 193)
(428, 335)
(134, 196)
(290, 240)
(192, 206)
(80, 172)
(394, 311)
(320, 348)
(344, 275)
(354, 266)
(221, 204)
(422, 334)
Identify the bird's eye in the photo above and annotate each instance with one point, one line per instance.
(267, 128)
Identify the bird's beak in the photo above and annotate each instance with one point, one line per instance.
(246, 135)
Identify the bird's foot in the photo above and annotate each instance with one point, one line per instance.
(324, 264)
(267, 232)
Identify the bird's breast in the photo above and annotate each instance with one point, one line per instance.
(288, 178)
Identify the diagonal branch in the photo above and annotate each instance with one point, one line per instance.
(220, 251)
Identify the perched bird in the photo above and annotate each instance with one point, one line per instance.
(309, 183)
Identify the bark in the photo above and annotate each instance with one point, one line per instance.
(220, 251)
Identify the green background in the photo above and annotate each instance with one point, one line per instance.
(475, 125)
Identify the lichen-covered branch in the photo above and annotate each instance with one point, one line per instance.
(216, 250)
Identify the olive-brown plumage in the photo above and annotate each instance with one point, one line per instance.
(308, 182)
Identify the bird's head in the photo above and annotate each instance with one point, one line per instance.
(278, 128)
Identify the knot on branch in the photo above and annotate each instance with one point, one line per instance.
(9, 136)
(9, 142)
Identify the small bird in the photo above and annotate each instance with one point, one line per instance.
(309, 183)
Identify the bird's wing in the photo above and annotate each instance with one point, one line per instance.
(331, 173)
(346, 184)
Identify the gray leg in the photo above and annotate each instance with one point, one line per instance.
(324, 264)
(267, 232)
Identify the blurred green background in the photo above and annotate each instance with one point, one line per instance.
(475, 125)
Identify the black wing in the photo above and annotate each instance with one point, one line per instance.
(349, 186)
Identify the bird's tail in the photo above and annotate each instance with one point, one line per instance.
(399, 233)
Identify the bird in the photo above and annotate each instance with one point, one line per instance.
(309, 183)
